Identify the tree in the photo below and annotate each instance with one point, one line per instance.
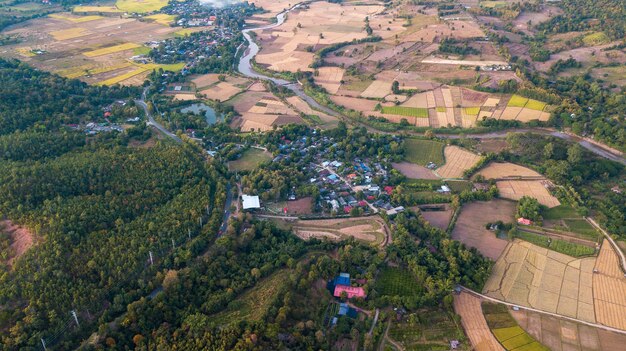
(548, 150)
(395, 87)
(529, 208)
(574, 154)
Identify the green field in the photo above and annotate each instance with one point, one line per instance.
(430, 329)
(506, 330)
(492, 4)
(250, 160)
(517, 101)
(405, 111)
(421, 152)
(145, 6)
(535, 105)
(562, 246)
(560, 212)
(459, 186)
(582, 227)
(254, 303)
(393, 281)
(597, 38)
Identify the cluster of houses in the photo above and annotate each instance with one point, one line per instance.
(342, 287)
(93, 128)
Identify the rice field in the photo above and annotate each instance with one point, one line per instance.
(101, 9)
(422, 152)
(75, 19)
(473, 111)
(406, 111)
(522, 102)
(70, 33)
(122, 77)
(517, 101)
(143, 6)
(111, 49)
(162, 18)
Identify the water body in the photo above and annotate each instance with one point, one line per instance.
(209, 113)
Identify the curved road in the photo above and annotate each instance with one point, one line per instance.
(151, 122)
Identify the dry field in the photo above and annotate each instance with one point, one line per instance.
(321, 24)
(261, 111)
(438, 219)
(205, 80)
(300, 105)
(609, 289)
(301, 206)
(516, 189)
(21, 239)
(378, 89)
(495, 170)
(370, 230)
(457, 161)
(329, 78)
(413, 171)
(469, 308)
(91, 48)
(470, 225)
(529, 275)
(356, 104)
(562, 335)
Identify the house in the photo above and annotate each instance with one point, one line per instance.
(524, 221)
(351, 291)
(345, 310)
(444, 189)
(616, 189)
(250, 202)
(342, 279)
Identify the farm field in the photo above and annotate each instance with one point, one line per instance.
(470, 225)
(562, 335)
(369, 230)
(250, 160)
(261, 111)
(528, 275)
(516, 189)
(327, 121)
(469, 308)
(438, 219)
(406, 111)
(457, 160)
(393, 281)
(413, 171)
(140, 6)
(609, 289)
(421, 152)
(428, 329)
(499, 170)
(558, 245)
(91, 48)
(302, 206)
(507, 331)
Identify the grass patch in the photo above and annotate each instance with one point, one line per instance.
(162, 18)
(254, 303)
(358, 85)
(111, 49)
(392, 281)
(75, 19)
(597, 38)
(459, 186)
(581, 226)
(421, 152)
(136, 6)
(96, 9)
(560, 212)
(517, 101)
(184, 31)
(406, 111)
(472, 111)
(249, 160)
(492, 4)
(562, 246)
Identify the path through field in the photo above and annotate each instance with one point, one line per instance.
(469, 308)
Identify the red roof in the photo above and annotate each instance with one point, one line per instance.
(107, 114)
(371, 197)
(524, 221)
(362, 203)
(351, 175)
(351, 291)
(388, 189)
(347, 209)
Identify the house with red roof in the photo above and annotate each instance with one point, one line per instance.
(351, 291)
(524, 221)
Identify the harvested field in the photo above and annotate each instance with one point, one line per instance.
(495, 170)
(70, 33)
(413, 171)
(205, 80)
(609, 289)
(222, 91)
(329, 78)
(438, 219)
(516, 189)
(370, 230)
(140, 6)
(354, 103)
(378, 89)
(111, 49)
(469, 308)
(470, 225)
(529, 275)
(492, 145)
(562, 335)
(457, 161)
(300, 105)
(21, 240)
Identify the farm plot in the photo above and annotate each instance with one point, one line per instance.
(507, 331)
(470, 225)
(563, 335)
(438, 219)
(529, 275)
(405, 111)
(458, 160)
(369, 230)
(413, 171)
(422, 152)
(468, 307)
(609, 289)
(428, 329)
(330, 78)
(74, 19)
(111, 49)
(70, 33)
(378, 89)
(261, 111)
(393, 281)
(516, 189)
(140, 6)
(221, 91)
(302, 206)
(495, 170)
(301, 105)
(356, 104)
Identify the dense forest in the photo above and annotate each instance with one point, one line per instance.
(97, 209)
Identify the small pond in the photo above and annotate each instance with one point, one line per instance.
(208, 111)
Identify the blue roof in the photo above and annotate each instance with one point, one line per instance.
(343, 309)
(342, 280)
(345, 275)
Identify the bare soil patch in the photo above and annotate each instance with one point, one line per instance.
(438, 219)
(413, 171)
(495, 170)
(470, 225)
(21, 238)
(370, 230)
(457, 161)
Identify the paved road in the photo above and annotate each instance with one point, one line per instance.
(229, 201)
(151, 122)
(372, 208)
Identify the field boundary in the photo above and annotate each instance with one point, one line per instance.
(614, 245)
